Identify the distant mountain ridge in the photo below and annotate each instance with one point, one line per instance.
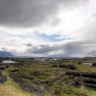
(5, 54)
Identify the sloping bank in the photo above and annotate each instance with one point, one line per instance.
(36, 88)
(27, 87)
(10, 88)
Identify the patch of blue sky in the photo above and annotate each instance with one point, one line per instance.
(54, 37)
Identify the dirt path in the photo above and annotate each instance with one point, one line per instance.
(10, 88)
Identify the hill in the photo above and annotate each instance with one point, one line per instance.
(5, 54)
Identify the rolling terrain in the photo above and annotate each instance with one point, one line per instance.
(59, 77)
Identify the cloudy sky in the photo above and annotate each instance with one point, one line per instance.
(48, 27)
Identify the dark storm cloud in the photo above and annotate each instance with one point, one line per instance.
(71, 49)
(92, 53)
(30, 12)
(28, 45)
(75, 48)
(80, 48)
(43, 49)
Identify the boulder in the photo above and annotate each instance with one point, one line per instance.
(0, 72)
(62, 66)
(83, 78)
(54, 65)
(2, 68)
(6, 66)
(94, 64)
(71, 67)
(3, 78)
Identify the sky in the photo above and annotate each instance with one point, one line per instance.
(41, 28)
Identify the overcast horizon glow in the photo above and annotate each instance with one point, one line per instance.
(65, 28)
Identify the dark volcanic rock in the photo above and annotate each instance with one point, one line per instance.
(62, 66)
(86, 74)
(54, 65)
(29, 87)
(3, 78)
(94, 64)
(15, 70)
(83, 78)
(6, 66)
(79, 63)
(0, 72)
(71, 67)
(2, 68)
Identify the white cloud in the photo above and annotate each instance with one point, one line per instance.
(76, 21)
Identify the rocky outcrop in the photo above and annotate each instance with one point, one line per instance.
(2, 68)
(94, 64)
(14, 70)
(3, 78)
(53, 80)
(29, 87)
(0, 72)
(83, 78)
(54, 65)
(71, 67)
(82, 74)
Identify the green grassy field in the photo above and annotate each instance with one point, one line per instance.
(10, 88)
(43, 71)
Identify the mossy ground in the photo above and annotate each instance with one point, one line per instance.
(46, 72)
(49, 73)
(10, 88)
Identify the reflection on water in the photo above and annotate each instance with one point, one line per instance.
(8, 61)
